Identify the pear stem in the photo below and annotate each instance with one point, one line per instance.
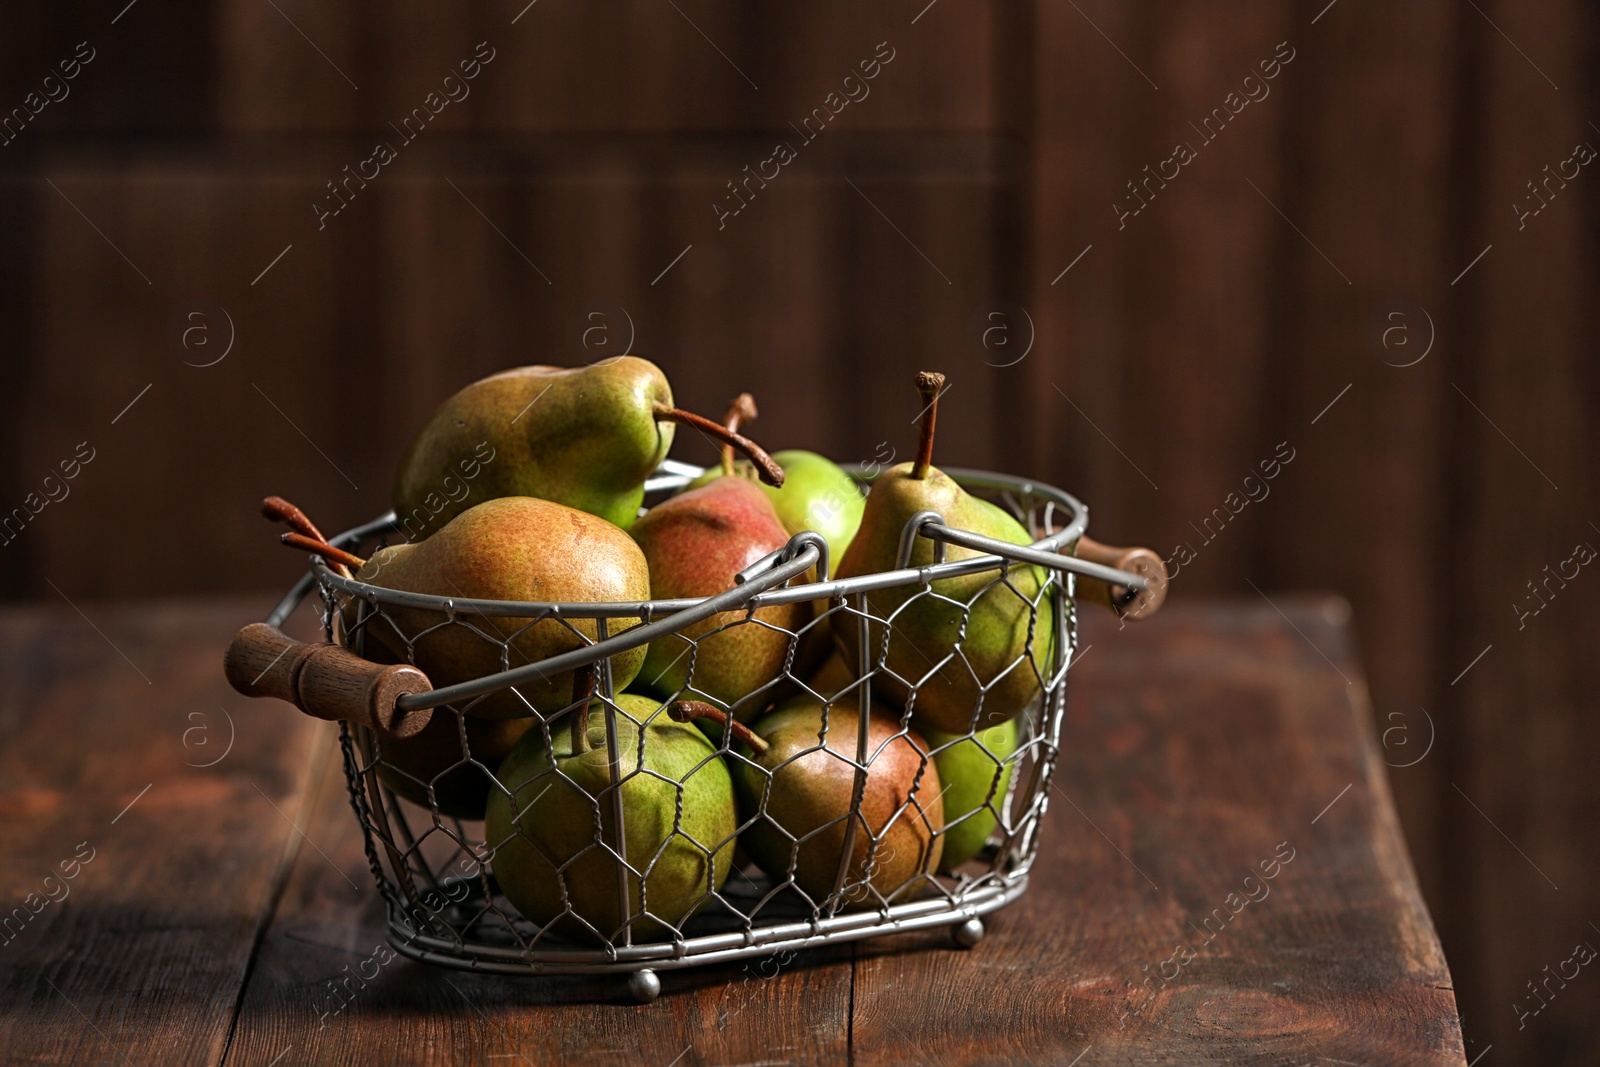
(685, 710)
(769, 470)
(929, 384)
(337, 556)
(280, 510)
(277, 509)
(740, 411)
(582, 683)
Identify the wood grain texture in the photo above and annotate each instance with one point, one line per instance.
(1190, 342)
(145, 946)
(1196, 745)
(633, 66)
(1373, 465)
(1523, 429)
(325, 680)
(1116, 405)
(411, 1013)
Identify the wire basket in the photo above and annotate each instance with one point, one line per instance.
(419, 818)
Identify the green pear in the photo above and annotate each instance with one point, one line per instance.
(794, 779)
(976, 770)
(586, 437)
(509, 548)
(553, 847)
(816, 495)
(976, 649)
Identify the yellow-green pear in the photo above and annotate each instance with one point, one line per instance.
(976, 648)
(554, 845)
(586, 437)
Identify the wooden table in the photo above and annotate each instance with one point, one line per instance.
(211, 908)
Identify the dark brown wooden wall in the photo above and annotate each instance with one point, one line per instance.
(1182, 347)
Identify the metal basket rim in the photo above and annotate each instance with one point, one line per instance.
(678, 474)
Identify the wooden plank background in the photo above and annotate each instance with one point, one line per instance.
(1365, 201)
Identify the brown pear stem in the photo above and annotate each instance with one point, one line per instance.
(582, 682)
(685, 710)
(280, 510)
(740, 411)
(277, 509)
(323, 549)
(769, 470)
(929, 384)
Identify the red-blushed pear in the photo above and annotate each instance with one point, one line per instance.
(832, 678)
(816, 495)
(975, 769)
(511, 548)
(794, 778)
(695, 544)
(1003, 632)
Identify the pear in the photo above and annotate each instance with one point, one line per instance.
(553, 846)
(509, 548)
(586, 437)
(794, 781)
(816, 494)
(976, 770)
(695, 544)
(976, 648)
(832, 678)
(971, 768)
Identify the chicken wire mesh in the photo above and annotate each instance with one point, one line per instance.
(605, 845)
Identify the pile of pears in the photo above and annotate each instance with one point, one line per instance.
(737, 738)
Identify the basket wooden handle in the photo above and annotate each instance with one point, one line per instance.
(325, 681)
(1128, 603)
